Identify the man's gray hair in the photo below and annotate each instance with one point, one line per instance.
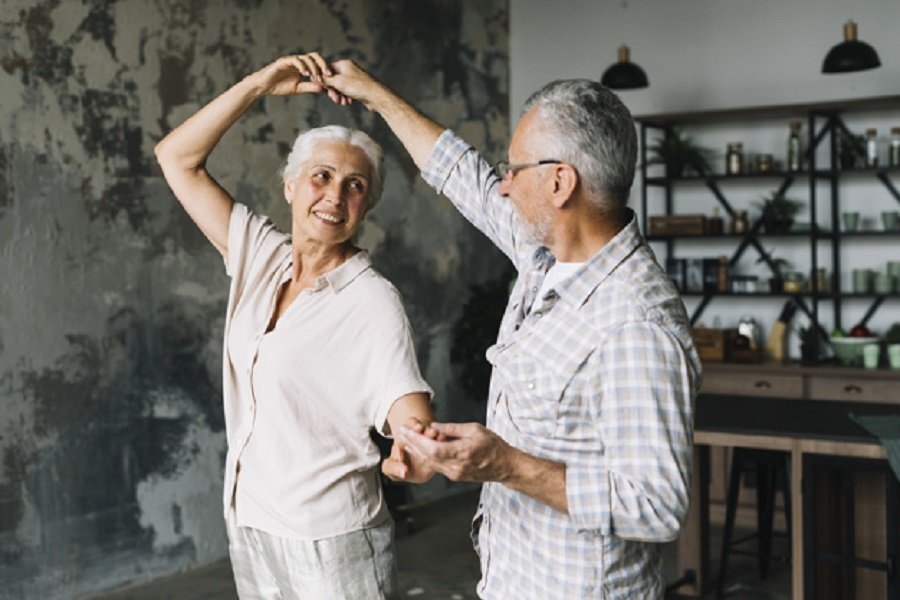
(306, 142)
(585, 124)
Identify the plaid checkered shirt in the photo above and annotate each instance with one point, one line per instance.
(599, 374)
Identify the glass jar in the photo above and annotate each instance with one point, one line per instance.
(793, 147)
(894, 159)
(734, 158)
(871, 148)
(739, 224)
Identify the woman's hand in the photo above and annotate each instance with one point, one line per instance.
(297, 74)
(401, 465)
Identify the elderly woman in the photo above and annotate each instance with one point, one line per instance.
(317, 352)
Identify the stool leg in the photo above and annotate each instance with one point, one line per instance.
(765, 513)
(786, 495)
(734, 488)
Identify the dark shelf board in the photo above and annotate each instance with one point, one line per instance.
(739, 236)
(661, 180)
(799, 111)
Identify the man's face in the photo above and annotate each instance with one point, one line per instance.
(526, 188)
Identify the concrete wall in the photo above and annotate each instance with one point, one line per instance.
(111, 302)
(715, 54)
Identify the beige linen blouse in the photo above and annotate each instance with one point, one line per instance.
(301, 399)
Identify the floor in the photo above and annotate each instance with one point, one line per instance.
(437, 562)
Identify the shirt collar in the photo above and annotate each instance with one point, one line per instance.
(577, 289)
(341, 276)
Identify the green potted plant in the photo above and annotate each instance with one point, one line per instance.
(676, 150)
(778, 212)
(779, 268)
(851, 149)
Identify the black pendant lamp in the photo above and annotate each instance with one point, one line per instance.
(624, 75)
(851, 54)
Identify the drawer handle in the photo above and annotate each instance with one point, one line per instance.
(764, 385)
(853, 389)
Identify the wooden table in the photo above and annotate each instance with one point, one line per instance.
(801, 427)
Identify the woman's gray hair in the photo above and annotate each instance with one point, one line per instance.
(583, 123)
(306, 142)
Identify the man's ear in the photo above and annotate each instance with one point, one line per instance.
(288, 190)
(565, 181)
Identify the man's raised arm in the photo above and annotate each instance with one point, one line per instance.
(417, 132)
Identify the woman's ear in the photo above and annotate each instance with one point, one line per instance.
(288, 190)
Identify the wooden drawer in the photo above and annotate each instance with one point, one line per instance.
(766, 385)
(851, 389)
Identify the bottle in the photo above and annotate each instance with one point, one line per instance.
(734, 158)
(715, 225)
(722, 276)
(739, 223)
(871, 148)
(895, 147)
(793, 147)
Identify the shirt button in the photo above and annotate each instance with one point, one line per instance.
(530, 385)
(534, 289)
(537, 315)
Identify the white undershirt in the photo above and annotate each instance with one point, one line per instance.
(555, 274)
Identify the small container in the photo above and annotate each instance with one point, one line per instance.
(883, 284)
(734, 158)
(862, 281)
(739, 224)
(894, 158)
(793, 283)
(793, 147)
(723, 276)
(715, 225)
(821, 279)
(871, 147)
(764, 163)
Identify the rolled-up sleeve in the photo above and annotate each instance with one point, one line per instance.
(460, 173)
(638, 487)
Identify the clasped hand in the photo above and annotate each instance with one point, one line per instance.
(459, 451)
(311, 74)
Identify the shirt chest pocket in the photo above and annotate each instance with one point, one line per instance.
(536, 384)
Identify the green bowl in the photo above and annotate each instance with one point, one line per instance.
(849, 350)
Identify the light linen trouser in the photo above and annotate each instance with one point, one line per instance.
(359, 565)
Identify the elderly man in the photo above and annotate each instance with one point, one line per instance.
(587, 451)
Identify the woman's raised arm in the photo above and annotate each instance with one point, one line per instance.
(183, 152)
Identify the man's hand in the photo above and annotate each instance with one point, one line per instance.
(348, 79)
(471, 452)
(297, 74)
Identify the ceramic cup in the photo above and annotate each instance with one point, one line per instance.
(893, 352)
(850, 220)
(893, 268)
(883, 283)
(870, 355)
(862, 281)
(889, 219)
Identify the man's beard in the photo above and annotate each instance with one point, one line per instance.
(537, 233)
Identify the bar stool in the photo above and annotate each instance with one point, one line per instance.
(833, 477)
(771, 468)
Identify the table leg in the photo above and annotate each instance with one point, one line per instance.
(693, 544)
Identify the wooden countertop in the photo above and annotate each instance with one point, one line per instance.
(797, 369)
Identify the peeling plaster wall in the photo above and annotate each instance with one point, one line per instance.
(112, 303)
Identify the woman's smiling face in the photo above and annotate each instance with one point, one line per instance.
(330, 196)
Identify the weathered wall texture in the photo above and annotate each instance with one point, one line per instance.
(111, 302)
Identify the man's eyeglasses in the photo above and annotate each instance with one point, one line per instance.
(503, 168)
